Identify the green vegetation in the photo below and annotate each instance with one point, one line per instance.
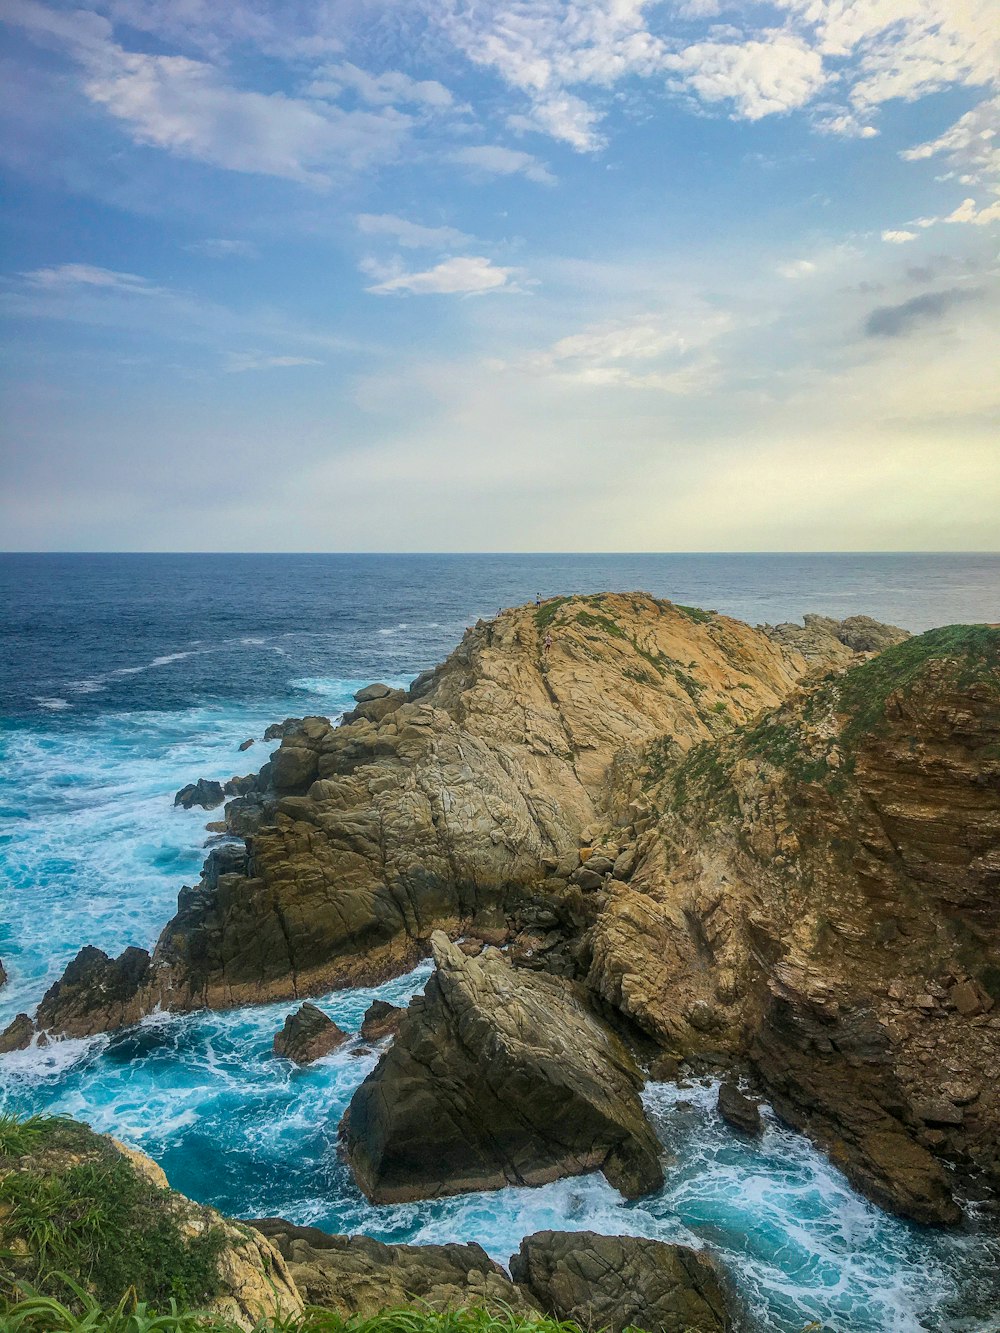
(35, 1314)
(590, 621)
(703, 772)
(695, 613)
(863, 691)
(545, 614)
(73, 1205)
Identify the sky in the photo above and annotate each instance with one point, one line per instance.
(637, 275)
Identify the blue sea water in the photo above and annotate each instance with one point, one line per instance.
(123, 677)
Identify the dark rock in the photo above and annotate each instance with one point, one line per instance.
(308, 1035)
(205, 792)
(938, 1111)
(241, 786)
(98, 994)
(3, 974)
(245, 814)
(370, 692)
(739, 1111)
(381, 1020)
(357, 1276)
(422, 683)
(665, 1069)
(376, 709)
(496, 1077)
(587, 878)
(277, 731)
(17, 1035)
(600, 865)
(246, 744)
(617, 1282)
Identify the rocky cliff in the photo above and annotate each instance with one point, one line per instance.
(819, 890)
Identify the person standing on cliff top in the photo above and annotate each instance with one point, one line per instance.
(538, 599)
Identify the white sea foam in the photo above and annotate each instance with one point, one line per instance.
(53, 705)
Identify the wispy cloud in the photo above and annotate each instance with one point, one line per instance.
(244, 361)
(65, 277)
(494, 160)
(391, 88)
(221, 248)
(899, 237)
(466, 276)
(411, 235)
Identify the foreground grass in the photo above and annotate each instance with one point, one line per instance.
(41, 1314)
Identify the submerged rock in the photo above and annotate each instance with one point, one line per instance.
(354, 1275)
(498, 1077)
(205, 792)
(246, 744)
(739, 1111)
(308, 1035)
(617, 1282)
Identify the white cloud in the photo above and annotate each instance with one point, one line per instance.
(493, 160)
(797, 268)
(220, 248)
(971, 145)
(759, 77)
(899, 237)
(66, 277)
(386, 89)
(243, 361)
(185, 107)
(967, 211)
(472, 275)
(411, 235)
(843, 123)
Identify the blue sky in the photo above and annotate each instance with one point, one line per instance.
(482, 275)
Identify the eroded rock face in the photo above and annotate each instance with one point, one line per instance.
(98, 994)
(497, 1077)
(251, 1280)
(617, 1282)
(820, 889)
(836, 642)
(308, 1035)
(354, 1275)
(739, 1111)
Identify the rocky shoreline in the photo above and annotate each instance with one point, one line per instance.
(663, 839)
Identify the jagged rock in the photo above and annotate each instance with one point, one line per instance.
(617, 1282)
(279, 730)
(381, 1020)
(354, 1275)
(17, 1035)
(498, 1077)
(739, 1111)
(246, 744)
(308, 1035)
(251, 1280)
(3, 974)
(205, 792)
(98, 994)
(836, 642)
(370, 692)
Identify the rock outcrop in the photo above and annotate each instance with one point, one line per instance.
(498, 1076)
(98, 994)
(308, 1035)
(141, 1238)
(206, 792)
(354, 1275)
(3, 974)
(381, 1020)
(819, 890)
(617, 1282)
(836, 642)
(738, 1110)
(17, 1035)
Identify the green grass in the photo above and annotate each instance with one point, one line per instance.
(545, 614)
(96, 1220)
(35, 1314)
(590, 621)
(695, 613)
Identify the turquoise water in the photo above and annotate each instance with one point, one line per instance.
(120, 688)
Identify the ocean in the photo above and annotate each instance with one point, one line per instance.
(122, 677)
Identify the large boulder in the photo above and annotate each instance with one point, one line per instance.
(738, 1110)
(617, 1282)
(17, 1035)
(498, 1076)
(381, 1020)
(142, 1240)
(308, 1035)
(206, 792)
(354, 1275)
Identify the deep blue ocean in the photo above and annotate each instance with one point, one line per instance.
(124, 676)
